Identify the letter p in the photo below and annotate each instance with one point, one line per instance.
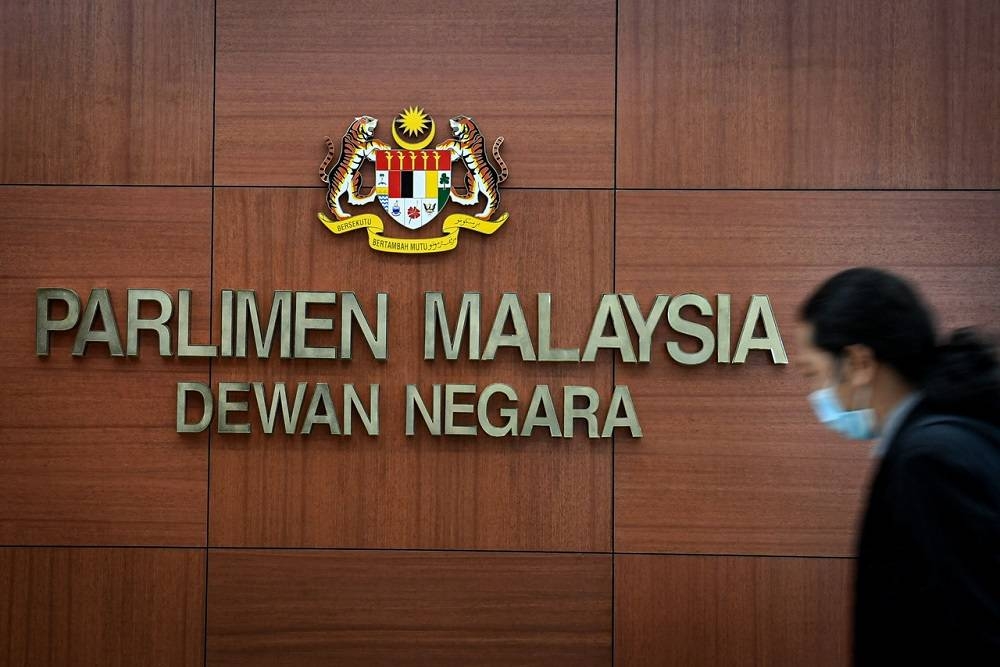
(43, 324)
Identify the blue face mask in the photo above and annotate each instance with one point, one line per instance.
(853, 424)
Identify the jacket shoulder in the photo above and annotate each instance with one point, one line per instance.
(948, 439)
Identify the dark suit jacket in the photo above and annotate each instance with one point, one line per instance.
(927, 590)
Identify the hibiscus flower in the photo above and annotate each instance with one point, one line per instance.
(413, 212)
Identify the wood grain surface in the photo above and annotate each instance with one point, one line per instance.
(408, 608)
(732, 611)
(540, 74)
(68, 607)
(733, 460)
(88, 449)
(111, 92)
(420, 491)
(816, 94)
(731, 516)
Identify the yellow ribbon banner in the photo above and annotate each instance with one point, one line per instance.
(453, 224)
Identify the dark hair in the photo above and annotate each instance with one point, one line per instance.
(884, 312)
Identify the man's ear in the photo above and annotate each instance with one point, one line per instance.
(859, 365)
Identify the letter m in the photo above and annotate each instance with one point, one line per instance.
(467, 325)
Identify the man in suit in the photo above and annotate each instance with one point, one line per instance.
(927, 588)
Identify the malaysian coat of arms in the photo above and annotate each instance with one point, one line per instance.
(413, 183)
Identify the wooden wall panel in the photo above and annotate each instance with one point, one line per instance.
(113, 92)
(421, 491)
(733, 470)
(694, 611)
(88, 452)
(65, 607)
(733, 460)
(407, 608)
(816, 94)
(542, 75)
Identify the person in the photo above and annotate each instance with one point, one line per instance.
(927, 578)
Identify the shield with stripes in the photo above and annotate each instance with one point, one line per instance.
(412, 185)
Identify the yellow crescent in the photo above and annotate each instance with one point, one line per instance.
(413, 147)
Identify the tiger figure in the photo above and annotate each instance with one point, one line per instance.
(470, 146)
(345, 175)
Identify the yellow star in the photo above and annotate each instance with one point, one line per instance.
(412, 121)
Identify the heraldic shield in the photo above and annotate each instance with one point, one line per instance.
(413, 181)
(412, 186)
